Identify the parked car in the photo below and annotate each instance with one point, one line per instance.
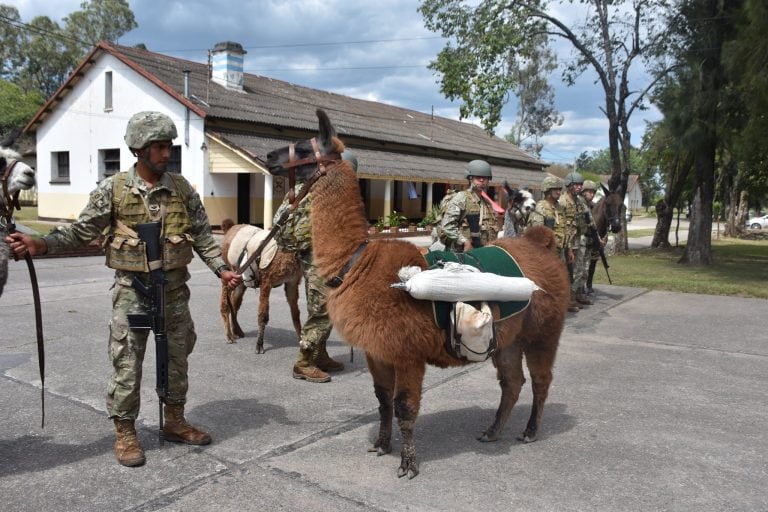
(758, 222)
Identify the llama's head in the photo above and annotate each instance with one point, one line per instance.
(22, 176)
(519, 202)
(612, 209)
(304, 156)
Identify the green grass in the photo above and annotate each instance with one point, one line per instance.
(740, 269)
(637, 233)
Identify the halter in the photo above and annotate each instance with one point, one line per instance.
(316, 158)
(10, 203)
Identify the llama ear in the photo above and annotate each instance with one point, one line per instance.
(326, 129)
(605, 189)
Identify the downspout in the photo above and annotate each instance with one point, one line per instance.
(186, 113)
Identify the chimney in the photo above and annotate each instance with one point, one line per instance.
(227, 65)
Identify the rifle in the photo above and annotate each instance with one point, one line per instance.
(150, 234)
(597, 245)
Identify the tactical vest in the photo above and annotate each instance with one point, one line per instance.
(478, 222)
(124, 250)
(550, 215)
(571, 226)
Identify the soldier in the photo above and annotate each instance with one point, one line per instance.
(588, 190)
(470, 218)
(550, 213)
(575, 207)
(144, 193)
(313, 361)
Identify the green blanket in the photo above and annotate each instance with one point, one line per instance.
(492, 259)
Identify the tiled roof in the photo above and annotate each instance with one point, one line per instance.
(403, 143)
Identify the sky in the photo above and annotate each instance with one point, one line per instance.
(374, 50)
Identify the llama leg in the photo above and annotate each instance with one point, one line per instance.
(384, 386)
(408, 382)
(540, 364)
(236, 299)
(263, 315)
(591, 274)
(226, 300)
(509, 372)
(292, 296)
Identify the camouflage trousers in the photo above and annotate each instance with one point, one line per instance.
(317, 328)
(127, 348)
(581, 265)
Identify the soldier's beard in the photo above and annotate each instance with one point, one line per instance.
(156, 169)
(478, 187)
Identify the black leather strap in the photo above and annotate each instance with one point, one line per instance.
(336, 281)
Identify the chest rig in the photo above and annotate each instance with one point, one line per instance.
(125, 251)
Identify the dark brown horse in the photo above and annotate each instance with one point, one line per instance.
(607, 215)
(398, 332)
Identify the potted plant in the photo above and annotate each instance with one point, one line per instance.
(430, 219)
(393, 220)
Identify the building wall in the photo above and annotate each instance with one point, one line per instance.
(81, 125)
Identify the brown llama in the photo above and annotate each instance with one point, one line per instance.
(285, 269)
(398, 332)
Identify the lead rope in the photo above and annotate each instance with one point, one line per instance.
(9, 204)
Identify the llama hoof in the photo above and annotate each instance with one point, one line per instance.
(380, 450)
(527, 438)
(408, 467)
(230, 341)
(488, 438)
(260, 349)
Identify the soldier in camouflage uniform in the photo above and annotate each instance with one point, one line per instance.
(144, 193)
(578, 217)
(313, 361)
(469, 219)
(550, 213)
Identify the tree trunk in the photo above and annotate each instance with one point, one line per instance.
(663, 224)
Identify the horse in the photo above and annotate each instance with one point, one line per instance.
(520, 204)
(398, 332)
(285, 269)
(607, 215)
(16, 176)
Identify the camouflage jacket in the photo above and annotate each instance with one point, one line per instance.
(454, 226)
(295, 234)
(552, 216)
(570, 213)
(97, 218)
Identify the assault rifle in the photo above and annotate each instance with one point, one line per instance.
(150, 234)
(597, 245)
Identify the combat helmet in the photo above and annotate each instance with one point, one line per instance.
(573, 178)
(589, 185)
(479, 168)
(551, 182)
(148, 126)
(350, 157)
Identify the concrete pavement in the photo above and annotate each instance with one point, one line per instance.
(658, 403)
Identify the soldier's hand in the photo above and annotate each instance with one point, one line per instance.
(571, 256)
(21, 243)
(467, 245)
(230, 279)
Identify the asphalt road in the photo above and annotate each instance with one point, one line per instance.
(658, 403)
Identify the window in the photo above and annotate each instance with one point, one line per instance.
(174, 164)
(60, 167)
(108, 91)
(109, 162)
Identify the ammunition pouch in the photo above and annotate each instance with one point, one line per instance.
(177, 251)
(475, 232)
(130, 254)
(549, 222)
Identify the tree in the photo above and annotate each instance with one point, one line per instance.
(40, 55)
(699, 32)
(16, 107)
(536, 113)
(483, 38)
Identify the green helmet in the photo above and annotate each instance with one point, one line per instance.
(551, 182)
(146, 127)
(350, 157)
(573, 178)
(479, 168)
(589, 185)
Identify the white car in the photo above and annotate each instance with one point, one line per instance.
(758, 222)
